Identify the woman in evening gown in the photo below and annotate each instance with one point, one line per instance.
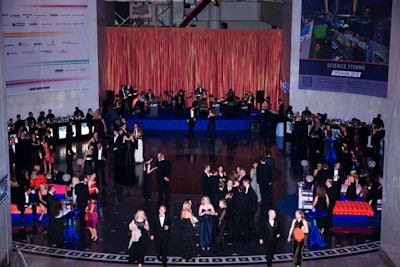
(188, 235)
(211, 125)
(298, 245)
(87, 162)
(206, 213)
(129, 143)
(138, 249)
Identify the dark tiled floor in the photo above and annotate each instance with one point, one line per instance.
(188, 157)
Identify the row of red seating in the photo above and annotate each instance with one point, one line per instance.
(356, 208)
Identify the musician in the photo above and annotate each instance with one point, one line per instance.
(180, 103)
(118, 105)
(141, 103)
(250, 103)
(150, 96)
(231, 109)
(130, 94)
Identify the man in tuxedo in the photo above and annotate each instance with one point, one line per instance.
(12, 157)
(205, 180)
(31, 120)
(82, 197)
(264, 179)
(270, 233)
(50, 201)
(239, 206)
(100, 157)
(160, 233)
(163, 179)
(191, 120)
(117, 147)
(69, 136)
(251, 205)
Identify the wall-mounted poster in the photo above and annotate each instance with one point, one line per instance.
(344, 46)
(45, 45)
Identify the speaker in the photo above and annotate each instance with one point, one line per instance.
(260, 97)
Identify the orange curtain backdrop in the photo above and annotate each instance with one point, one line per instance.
(173, 58)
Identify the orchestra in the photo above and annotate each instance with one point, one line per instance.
(130, 101)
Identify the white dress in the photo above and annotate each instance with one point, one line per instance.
(139, 151)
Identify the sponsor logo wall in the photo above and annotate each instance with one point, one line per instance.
(46, 45)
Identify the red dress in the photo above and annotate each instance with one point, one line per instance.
(48, 154)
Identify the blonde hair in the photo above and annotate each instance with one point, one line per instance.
(140, 212)
(203, 199)
(186, 206)
(301, 213)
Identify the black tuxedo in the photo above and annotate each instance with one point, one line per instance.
(240, 217)
(117, 149)
(82, 197)
(11, 154)
(100, 164)
(191, 120)
(205, 180)
(161, 236)
(264, 179)
(269, 234)
(163, 170)
(251, 209)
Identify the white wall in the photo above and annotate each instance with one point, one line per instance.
(390, 234)
(337, 105)
(63, 102)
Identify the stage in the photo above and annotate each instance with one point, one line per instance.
(164, 119)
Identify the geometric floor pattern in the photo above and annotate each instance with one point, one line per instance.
(222, 260)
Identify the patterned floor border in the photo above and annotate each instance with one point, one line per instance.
(217, 260)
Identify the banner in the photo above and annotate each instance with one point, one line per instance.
(46, 45)
(344, 46)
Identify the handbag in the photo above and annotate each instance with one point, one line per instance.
(298, 234)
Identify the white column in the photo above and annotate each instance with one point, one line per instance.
(390, 233)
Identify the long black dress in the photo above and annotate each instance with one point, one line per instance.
(211, 127)
(322, 205)
(351, 193)
(188, 240)
(138, 249)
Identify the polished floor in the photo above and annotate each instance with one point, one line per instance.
(122, 196)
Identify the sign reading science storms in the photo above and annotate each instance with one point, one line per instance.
(345, 47)
(344, 77)
(46, 46)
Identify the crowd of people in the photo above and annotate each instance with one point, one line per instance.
(230, 200)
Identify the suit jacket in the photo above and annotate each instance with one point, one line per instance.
(50, 200)
(11, 153)
(163, 170)
(157, 230)
(251, 200)
(82, 194)
(104, 154)
(189, 117)
(268, 233)
(264, 174)
(117, 143)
